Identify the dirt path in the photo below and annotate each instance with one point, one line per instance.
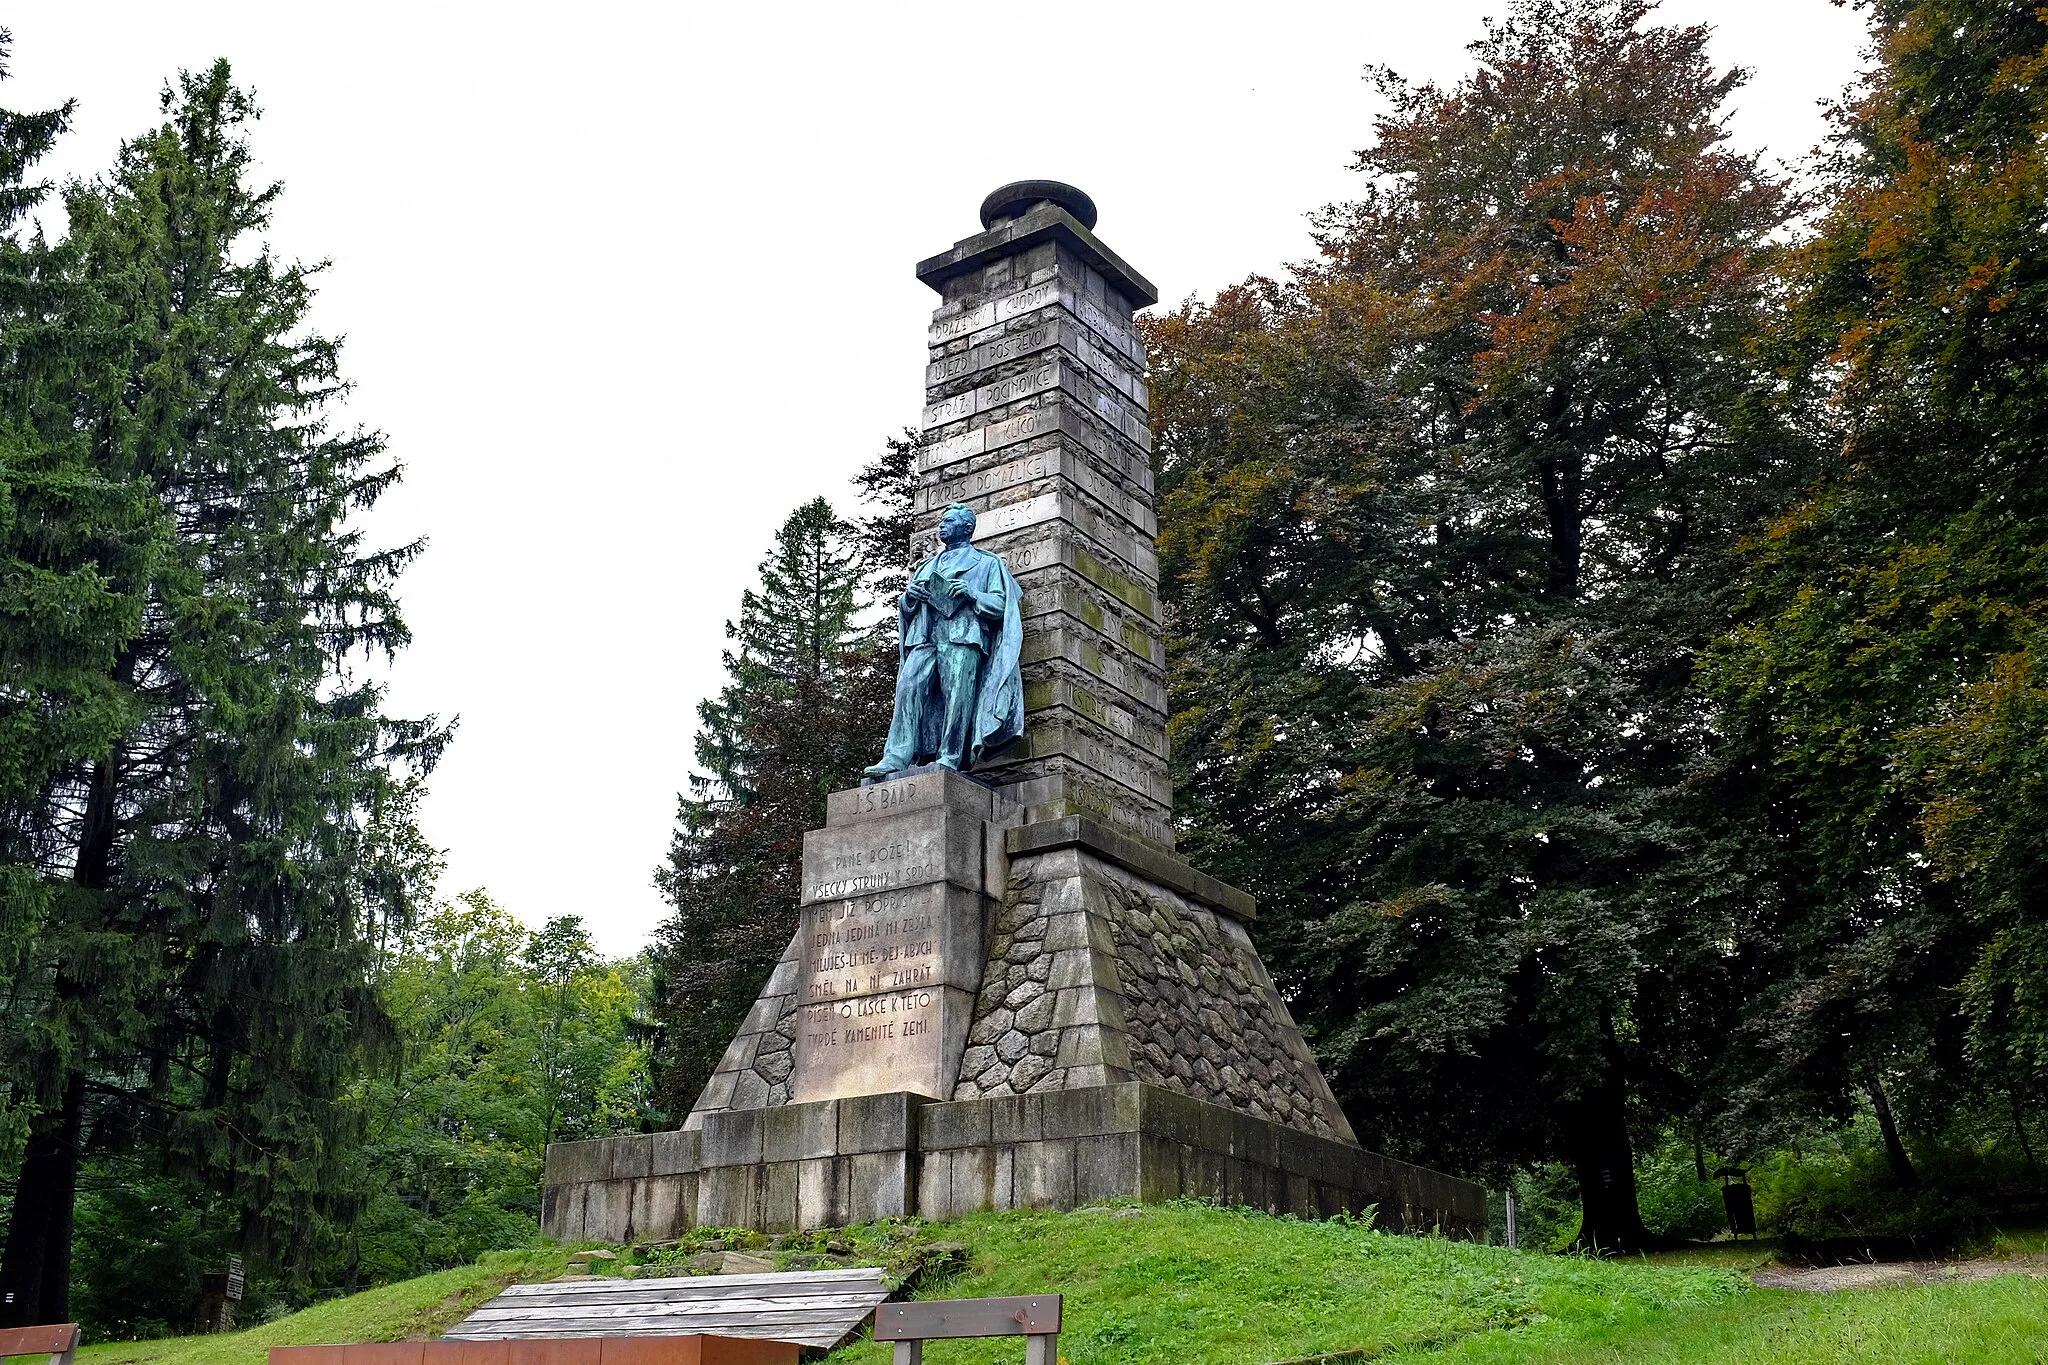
(1894, 1273)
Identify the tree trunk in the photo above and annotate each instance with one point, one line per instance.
(35, 1270)
(1894, 1150)
(1597, 1146)
(1603, 1160)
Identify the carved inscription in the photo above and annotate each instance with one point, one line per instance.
(874, 867)
(1027, 469)
(1004, 347)
(1143, 774)
(1000, 521)
(1120, 336)
(869, 945)
(945, 329)
(874, 1034)
(982, 482)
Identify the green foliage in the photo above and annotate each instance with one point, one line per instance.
(195, 777)
(808, 699)
(1447, 520)
(143, 1243)
(1677, 1205)
(1546, 1208)
(500, 1032)
(509, 1040)
(1839, 1186)
(1888, 675)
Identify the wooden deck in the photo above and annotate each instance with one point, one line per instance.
(810, 1307)
(690, 1350)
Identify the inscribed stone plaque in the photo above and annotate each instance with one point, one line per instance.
(876, 1044)
(890, 853)
(893, 939)
(869, 945)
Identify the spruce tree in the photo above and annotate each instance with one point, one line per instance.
(196, 987)
(806, 704)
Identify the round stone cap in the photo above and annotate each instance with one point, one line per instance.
(1015, 198)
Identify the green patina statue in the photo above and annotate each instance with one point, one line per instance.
(959, 698)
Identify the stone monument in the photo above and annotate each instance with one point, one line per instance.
(1006, 990)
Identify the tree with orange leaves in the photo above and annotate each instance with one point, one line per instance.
(1449, 516)
(1893, 663)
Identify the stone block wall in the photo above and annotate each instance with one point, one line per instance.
(834, 1162)
(637, 1188)
(823, 1164)
(1037, 416)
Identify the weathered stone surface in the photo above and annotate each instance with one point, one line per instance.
(894, 1040)
(890, 853)
(1019, 346)
(1179, 999)
(728, 1263)
(936, 790)
(995, 487)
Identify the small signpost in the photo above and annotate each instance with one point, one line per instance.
(218, 1294)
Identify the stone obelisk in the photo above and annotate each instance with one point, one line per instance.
(1006, 989)
(1037, 416)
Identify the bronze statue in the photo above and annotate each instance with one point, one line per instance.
(959, 698)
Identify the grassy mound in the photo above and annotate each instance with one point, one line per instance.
(424, 1307)
(1192, 1284)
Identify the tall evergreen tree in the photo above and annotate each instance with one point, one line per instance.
(75, 541)
(196, 985)
(1447, 518)
(806, 703)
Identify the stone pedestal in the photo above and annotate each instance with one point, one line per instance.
(895, 917)
(1006, 990)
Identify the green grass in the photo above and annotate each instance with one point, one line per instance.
(1996, 1322)
(1195, 1285)
(410, 1308)
(1190, 1284)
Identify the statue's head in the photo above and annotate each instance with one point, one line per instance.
(956, 523)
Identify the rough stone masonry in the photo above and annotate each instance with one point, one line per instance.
(1006, 989)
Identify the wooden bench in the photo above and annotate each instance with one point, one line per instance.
(58, 1341)
(911, 1325)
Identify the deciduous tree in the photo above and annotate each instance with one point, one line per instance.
(1448, 517)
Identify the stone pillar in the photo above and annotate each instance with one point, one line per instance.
(1037, 416)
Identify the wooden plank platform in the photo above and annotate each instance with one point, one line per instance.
(810, 1307)
(666, 1350)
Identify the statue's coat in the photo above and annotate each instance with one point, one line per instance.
(999, 697)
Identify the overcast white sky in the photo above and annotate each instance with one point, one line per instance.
(624, 282)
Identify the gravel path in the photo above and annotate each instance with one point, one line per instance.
(1893, 1273)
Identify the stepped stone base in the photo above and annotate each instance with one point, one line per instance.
(832, 1162)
